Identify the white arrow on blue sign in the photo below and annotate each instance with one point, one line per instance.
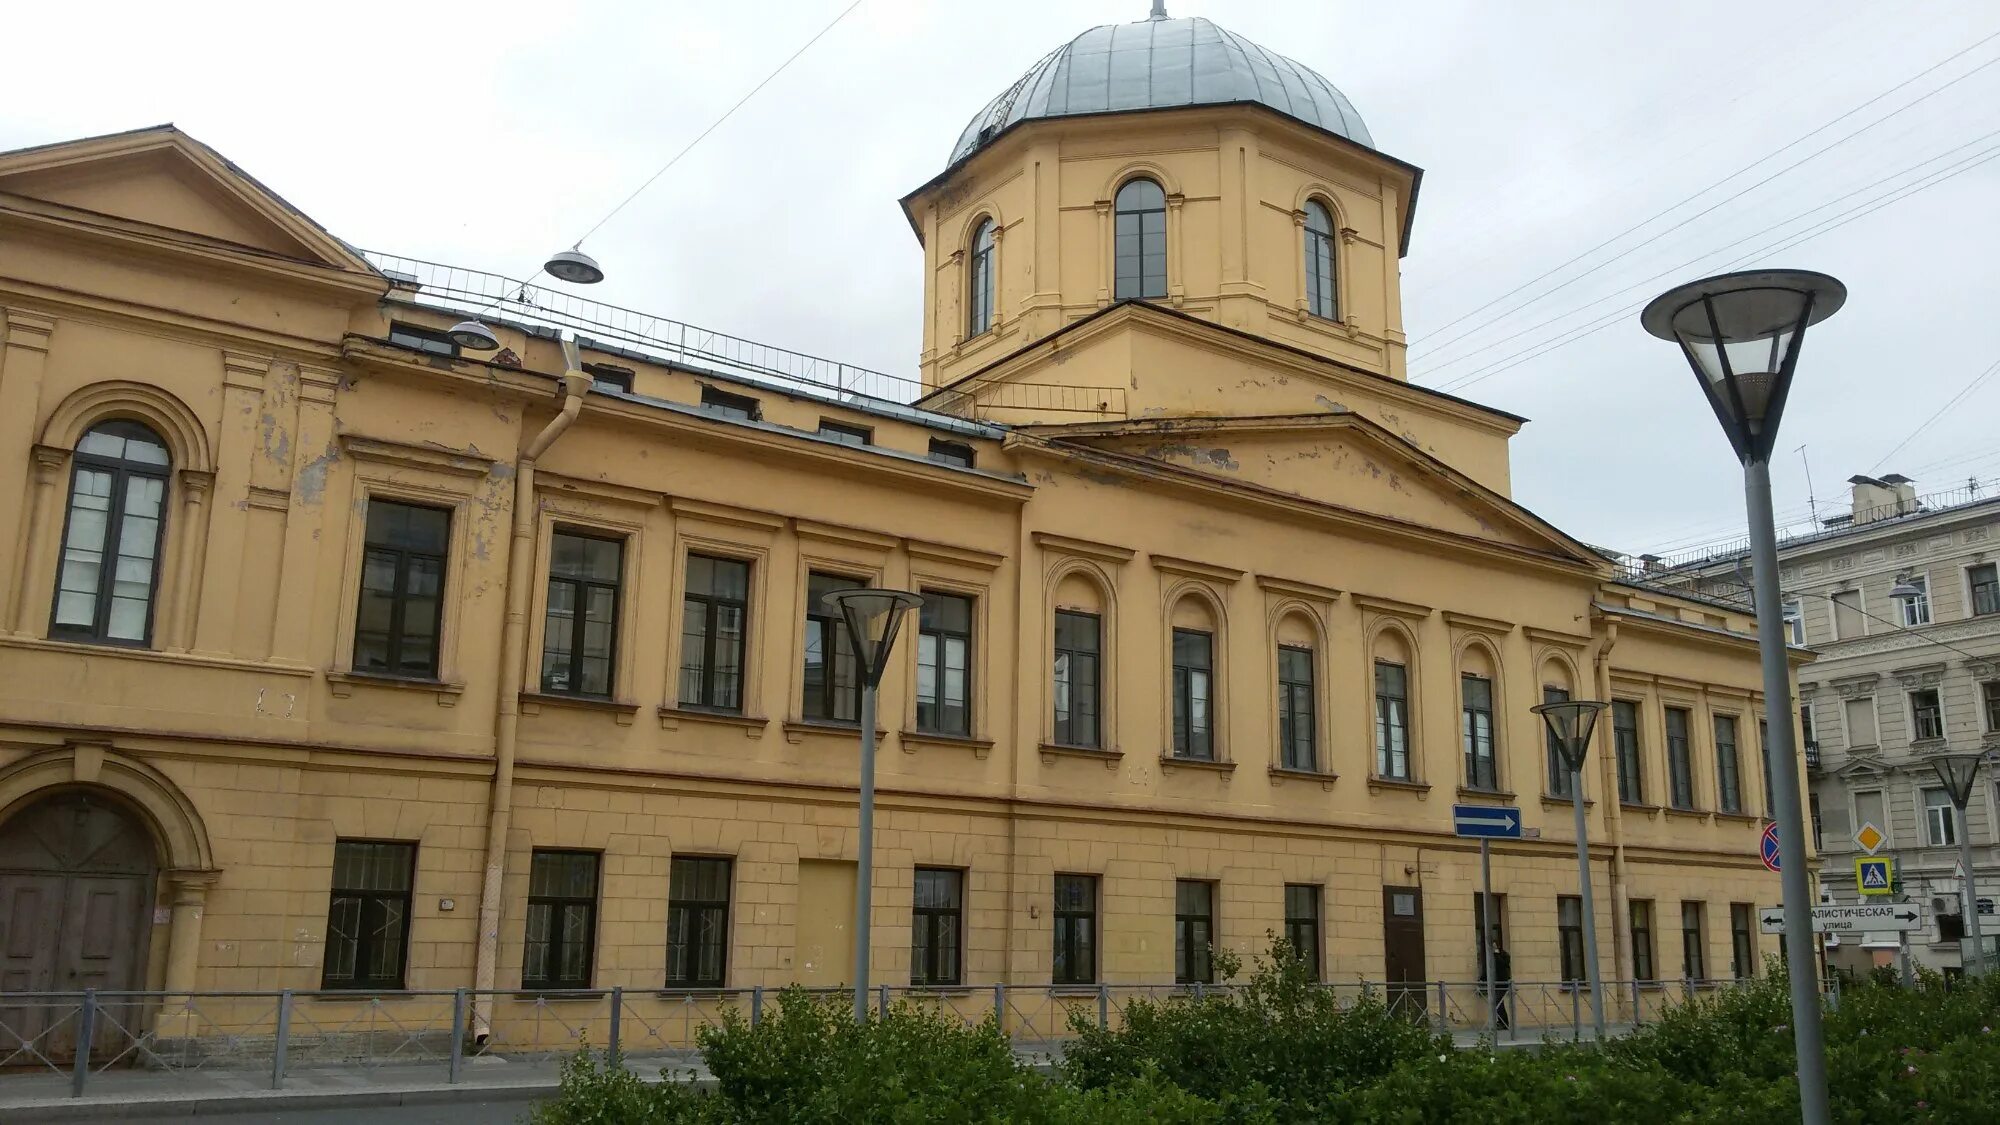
(1496, 821)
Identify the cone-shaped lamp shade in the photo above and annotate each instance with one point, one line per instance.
(1571, 723)
(1957, 772)
(873, 618)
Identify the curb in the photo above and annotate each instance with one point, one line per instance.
(194, 1105)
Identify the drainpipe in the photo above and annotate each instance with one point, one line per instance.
(1614, 811)
(507, 720)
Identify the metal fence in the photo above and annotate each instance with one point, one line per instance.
(267, 1038)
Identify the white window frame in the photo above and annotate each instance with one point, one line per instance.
(1931, 822)
(1833, 612)
(1794, 612)
(1916, 611)
(1910, 709)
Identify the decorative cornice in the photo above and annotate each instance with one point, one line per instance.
(1192, 569)
(599, 490)
(1297, 589)
(244, 371)
(1391, 606)
(402, 455)
(26, 330)
(846, 536)
(1474, 621)
(724, 513)
(945, 553)
(1085, 548)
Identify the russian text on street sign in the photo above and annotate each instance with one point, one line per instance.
(1500, 822)
(1767, 849)
(1870, 837)
(1874, 876)
(1867, 917)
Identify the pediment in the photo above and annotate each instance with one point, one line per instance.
(161, 180)
(1342, 460)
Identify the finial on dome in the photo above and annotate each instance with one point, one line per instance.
(1159, 10)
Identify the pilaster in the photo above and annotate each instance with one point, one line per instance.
(314, 452)
(24, 348)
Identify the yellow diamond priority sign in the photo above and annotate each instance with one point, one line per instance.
(1870, 837)
(1874, 876)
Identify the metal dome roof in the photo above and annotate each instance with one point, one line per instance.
(1162, 64)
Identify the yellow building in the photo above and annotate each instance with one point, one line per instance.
(337, 656)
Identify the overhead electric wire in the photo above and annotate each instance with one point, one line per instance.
(1968, 389)
(1705, 190)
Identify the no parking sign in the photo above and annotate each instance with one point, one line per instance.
(1769, 848)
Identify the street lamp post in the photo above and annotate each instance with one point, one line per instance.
(1741, 334)
(872, 619)
(1570, 724)
(1957, 772)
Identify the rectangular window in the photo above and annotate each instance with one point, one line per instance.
(402, 589)
(1926, 715)
(1559, 777)
(846, 434)
(1870, 807)
(697, 922)
(832, 682)
(1302, 923)
(1075, 690)
(1392, 721)
(1764, 759)
(1916, 608)
(1694, 960)
(1298, 734)
(1493, 928)
(1194, 930)
(1476, 694)
(1743, 940)
(1847, 620)
(562, 919)
(1812, 805)
(954, 453)
(715, 619)
(368, 917)
(722, 404)
(1569, 933)
(1795, 622)
(1985, 582)
(112, 536)
(422, 339)
(1625, 742)
(606, 377)
(1728, 773)
(937, 912)
(944, 665)
(1989, 694)
(1680, 765)
(1194, 730)
(580, 630)
(1860, 715)
(1940, 819)
(1076, 930)
(1642, 940)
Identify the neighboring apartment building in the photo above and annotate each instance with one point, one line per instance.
(335, 656)
(1897, 681)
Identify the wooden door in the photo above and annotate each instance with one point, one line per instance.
(1403, 948)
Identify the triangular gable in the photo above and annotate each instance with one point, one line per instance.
(1342, 459)
(161, 178)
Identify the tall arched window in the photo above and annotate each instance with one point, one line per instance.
(111, 543)
(979, 296)
(1142, 240)
(1321, 297)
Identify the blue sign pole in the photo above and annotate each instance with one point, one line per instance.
(1487, 823)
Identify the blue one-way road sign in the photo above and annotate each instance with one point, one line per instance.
(1499, 821)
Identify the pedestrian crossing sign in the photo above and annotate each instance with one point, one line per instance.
(1874, 876)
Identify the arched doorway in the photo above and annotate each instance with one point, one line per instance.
(76, 892)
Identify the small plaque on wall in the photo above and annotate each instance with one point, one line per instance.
(163, 915)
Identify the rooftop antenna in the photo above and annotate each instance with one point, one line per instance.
(1811, 502)
(1159, 10)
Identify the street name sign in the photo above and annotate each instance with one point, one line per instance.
(1873, 916)
(1497, 822)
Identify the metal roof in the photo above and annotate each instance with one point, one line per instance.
(1162, 64)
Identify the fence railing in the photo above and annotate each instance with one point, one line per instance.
(78, 1040)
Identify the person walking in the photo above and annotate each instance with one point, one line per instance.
(1501, 984)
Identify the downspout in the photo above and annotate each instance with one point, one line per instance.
(507, 720)
(1614, 810)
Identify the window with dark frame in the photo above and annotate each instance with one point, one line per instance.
(607, 377)
(698, 922)
(1743, 940)
(944, 664)
(1298, 733)
(1989, 693)
(1985, 582)
(1392, 721)
(715, 620)
(1322, 298)
(832, 682)
(580, 631)
(421, 339)
(845, 433)
(1694, 953)
(1764, 762)
(1194, 730)
(1302, 928)
(402, 589)
(1141, 236)
(1476, 699)
(1485, 929)
(953, 453)
(1194, 930)
(1728, 767)
(1076, 678)
(1075, 930)
(1569, 934)
(1680, 766)
(110, 570)
(979, 281)
(1625, 743)
(1642, 940)
(1926, 715)
(562, 919)
(1558, 767)
(368, 915)
(937, 933)
(723, 404)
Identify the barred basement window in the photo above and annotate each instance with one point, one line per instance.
(1194, 929)
(368, 916)
(1302, 923)
(562, 919)
(1076, 930)
(698, 922)
(937, 926)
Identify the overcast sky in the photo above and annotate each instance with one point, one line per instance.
(487, 134)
